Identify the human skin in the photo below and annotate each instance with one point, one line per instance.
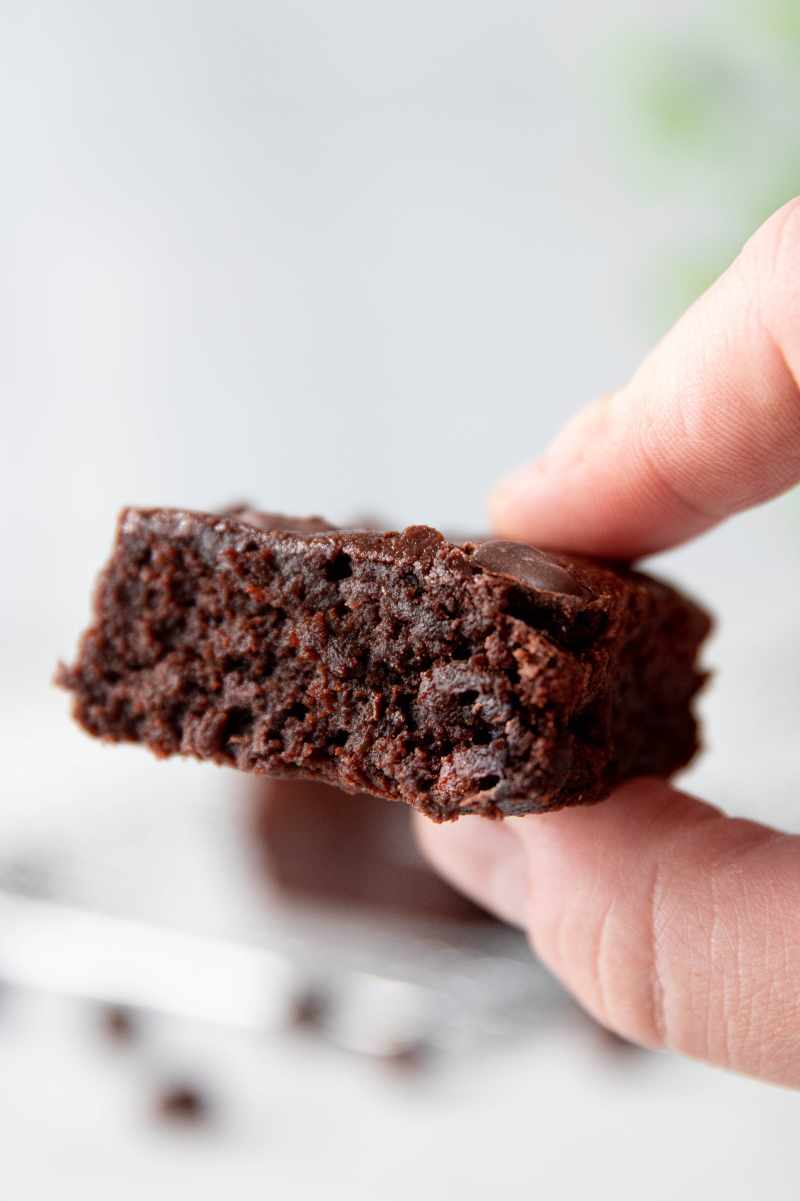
(674, 925)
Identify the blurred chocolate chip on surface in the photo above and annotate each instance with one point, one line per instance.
(308, 1009)
(182, 1104)
(119, 1024)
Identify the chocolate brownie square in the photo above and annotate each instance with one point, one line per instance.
(459, 677)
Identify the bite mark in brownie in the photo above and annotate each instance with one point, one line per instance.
(487, 678)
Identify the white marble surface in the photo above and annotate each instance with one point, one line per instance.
(254, 250)
(555, 1106)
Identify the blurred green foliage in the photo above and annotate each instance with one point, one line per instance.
(681, 95)
(780, 18)
(710, 121)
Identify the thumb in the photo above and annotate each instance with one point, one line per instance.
(672, 924)
(709, 424)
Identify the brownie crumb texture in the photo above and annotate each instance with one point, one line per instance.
(469, 677)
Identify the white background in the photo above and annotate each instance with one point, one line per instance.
(345, 258)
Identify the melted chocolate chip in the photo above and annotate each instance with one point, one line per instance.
(529, 566)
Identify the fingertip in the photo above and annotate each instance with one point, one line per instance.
(511, 500)
(576, 495)
(709, 424)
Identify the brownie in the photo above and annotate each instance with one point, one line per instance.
(320, 845)
(489, 678)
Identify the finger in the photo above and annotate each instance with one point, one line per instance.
(486, 860)
(673, 925)
(709, 425)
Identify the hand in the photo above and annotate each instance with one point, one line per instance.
(673, 925)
